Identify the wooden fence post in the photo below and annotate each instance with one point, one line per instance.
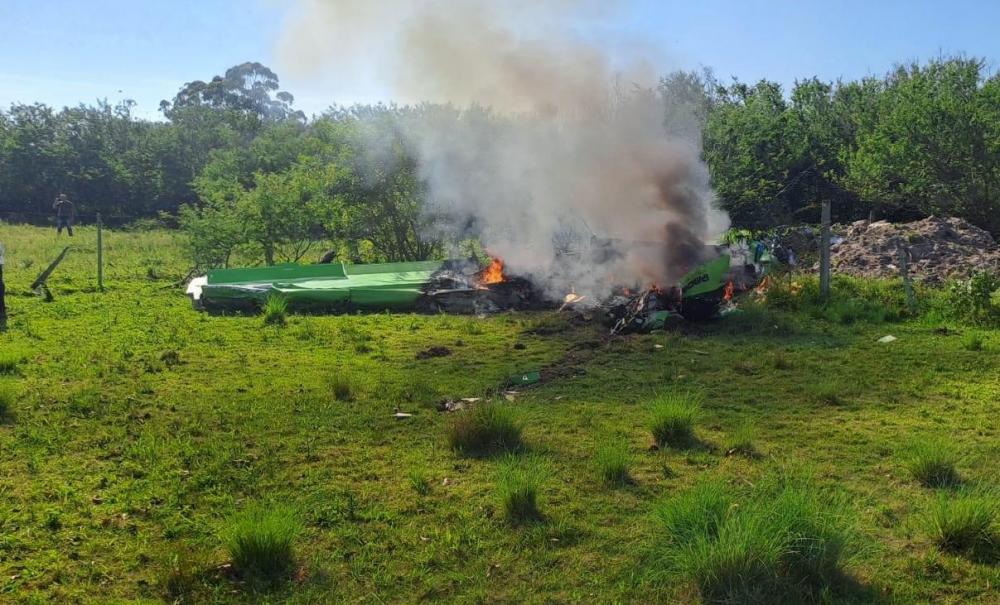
(100, 256)
(904, 270)
(824, 253)
(3, 294)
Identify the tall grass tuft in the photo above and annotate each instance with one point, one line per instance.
(932, 463)
(695, 514)
(674, 417)
(260, 541)
(9, 362)
(964, 523)
(779, 543)
(342, 388)
(741, 441)
(484, 430)
(275, 310)
(518, 482)
(973, 342)
(8, 396)
(419, 482)
(613, 461)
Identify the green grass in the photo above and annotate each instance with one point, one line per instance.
(260, 541)
(342, 388)
(778, 543)
(932, 462)
(674, 416)
(8, 397)
(518, 483)
(613, 460)
(121, 465)
(275, 310)
(973, 342)
(484, 430)
(742, 440)
(965, 523)
(9, 362)
(419, 481)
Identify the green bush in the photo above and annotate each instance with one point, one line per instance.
(778, 543)
(484, 430)
(613, 460)
(964, 522)
(975, 300)
(674, 417)
(932, 463)
(517, 487)
(275, 310)
(852, 299)
(260, 541)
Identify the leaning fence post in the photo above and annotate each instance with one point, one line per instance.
(904, 270)
(3, 294)
(100, 256)
(824, 253)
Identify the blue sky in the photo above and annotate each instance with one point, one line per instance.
(64, 52)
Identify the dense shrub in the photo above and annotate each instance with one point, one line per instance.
(484, 430)
(975, 300)
(674, 417)
(852, 299)
(260, 541)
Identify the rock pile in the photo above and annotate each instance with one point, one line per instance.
(939, 248)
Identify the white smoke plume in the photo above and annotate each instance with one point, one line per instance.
(564, 169)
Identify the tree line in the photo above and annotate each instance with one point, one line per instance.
(245, 173)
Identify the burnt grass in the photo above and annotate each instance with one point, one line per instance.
(138, 428)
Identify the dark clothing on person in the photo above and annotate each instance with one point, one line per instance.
(65, 213)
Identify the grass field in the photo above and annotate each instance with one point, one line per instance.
(141, 436)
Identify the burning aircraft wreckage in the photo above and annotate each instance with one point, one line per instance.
(469, 287)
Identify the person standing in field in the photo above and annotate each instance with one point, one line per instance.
(65, 213)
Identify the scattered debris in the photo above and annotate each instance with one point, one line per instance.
(532, 377)
(451, 405)
(434, 352)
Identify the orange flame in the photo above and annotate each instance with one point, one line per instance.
(493, 274)
(729, 291)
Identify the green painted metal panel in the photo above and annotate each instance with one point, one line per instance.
(288, 272)
(706, 278)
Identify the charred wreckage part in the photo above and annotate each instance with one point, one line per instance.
(462, 287)
(465, 287)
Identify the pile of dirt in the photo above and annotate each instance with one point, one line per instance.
(939, 248)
